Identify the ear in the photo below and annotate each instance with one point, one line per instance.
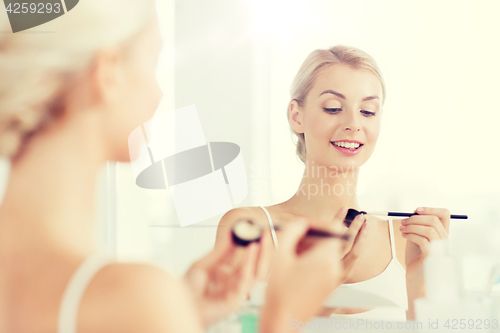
(108, 85)
(107, 76)
(295, 116)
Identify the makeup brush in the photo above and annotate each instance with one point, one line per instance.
(352, 213)
(320, 233)
(246, 231)
(243, 233)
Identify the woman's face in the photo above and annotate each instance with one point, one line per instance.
(340, 117)
(138, 93)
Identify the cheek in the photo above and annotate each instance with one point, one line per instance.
(372, 131)
(319, 126)
(145, 95)
(141, 101)
(149, 93)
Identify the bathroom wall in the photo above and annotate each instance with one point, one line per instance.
(235, 60)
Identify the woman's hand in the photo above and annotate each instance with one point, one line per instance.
(419, 230)
(351, 250)
(266, 242)
(300, 282)
(220, 284)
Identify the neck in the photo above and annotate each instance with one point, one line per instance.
(50, 198)
(323, 191)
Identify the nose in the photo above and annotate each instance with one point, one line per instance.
(353, 129)
(351, 123)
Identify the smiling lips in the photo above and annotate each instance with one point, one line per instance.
(348, 147)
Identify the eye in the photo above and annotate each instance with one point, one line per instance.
(332, 110)
(367, 113)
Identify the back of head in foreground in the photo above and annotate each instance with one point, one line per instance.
(70, 96)
(71, 92)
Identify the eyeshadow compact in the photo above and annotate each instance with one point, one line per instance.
(245, 232)
(351, 215)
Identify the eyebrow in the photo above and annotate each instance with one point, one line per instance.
(333, 93)
(369, 98)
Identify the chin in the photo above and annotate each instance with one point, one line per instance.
(121, 154)
(346, 166)
(355, 162)
(123, 157)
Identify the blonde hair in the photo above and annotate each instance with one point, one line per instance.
(313, 66)
(37, 68)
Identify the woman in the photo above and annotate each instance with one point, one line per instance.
(335, 112)
(68, 101)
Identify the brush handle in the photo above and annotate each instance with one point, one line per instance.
(460, 217)
(320, 233)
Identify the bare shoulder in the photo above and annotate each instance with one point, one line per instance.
(256, 214)
(241, 212)
(137, 298)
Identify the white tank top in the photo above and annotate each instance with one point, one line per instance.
(390, 284)
(68, 311)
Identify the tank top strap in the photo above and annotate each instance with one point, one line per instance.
(68, 311)
(271, 226)
(393, 244)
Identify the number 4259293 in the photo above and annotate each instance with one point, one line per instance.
(40, 8)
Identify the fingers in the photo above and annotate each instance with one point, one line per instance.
(197, 280)
(227, 278)
(353, 255)
(221, 252)
(356, 224)
(422, 242)
(338, 219)
(328, 245)
(264, 258)
(358, 242)
(426, 231)
(442, 214)
(353, 231)
(219, 279)
(292, 234)
(246, 274)
(325, 254)
(428, 221)
(219, 265)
